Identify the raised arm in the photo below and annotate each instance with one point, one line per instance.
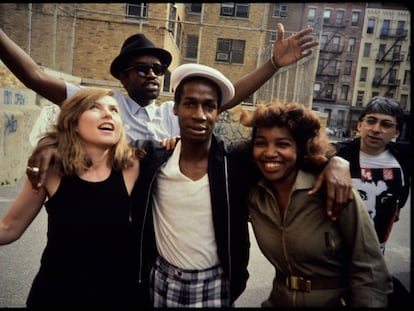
(29, 73)
(285, 52)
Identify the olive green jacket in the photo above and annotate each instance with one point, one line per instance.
(342, 259)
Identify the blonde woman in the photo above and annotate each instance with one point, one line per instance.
(87, 197)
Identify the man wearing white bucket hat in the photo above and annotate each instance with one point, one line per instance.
(190, 212)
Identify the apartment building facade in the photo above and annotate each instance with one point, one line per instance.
(364, 51)
(384, 60)
(82, 39)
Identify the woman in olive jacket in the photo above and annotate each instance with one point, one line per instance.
(318, 263)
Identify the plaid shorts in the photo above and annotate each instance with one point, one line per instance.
(171, 286)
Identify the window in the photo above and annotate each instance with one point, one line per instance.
(355, 18)
(137, 10)
(336, 42)
(230, 51)
(396, 52)
(400, 28)
(280, 10)
(381, 51)
(392, 76)
(326, 16)
(374, 94)
(332, 67)
(311, 14)
(179, 34)
(377, 76)
(371, 25)
(171, 18)
(351, 45)
(329, 91)
(367, 49)
(316, 90)
(321, 65)
(323, 43)
(344, 92)
(404, 101)
(192, 47)
(234, 9)
(363, 75)
(407, 77)
(273, 36)
(348, 67)
(195, 7)
(339, 21)
(167, 80)
(360, 98)
(385, 27)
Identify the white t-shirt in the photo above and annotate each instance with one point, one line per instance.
(183, 219)
(380, 188)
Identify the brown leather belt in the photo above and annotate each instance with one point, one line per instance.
(294, 282)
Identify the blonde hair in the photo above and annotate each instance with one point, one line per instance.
(314, 148)
(70, 156)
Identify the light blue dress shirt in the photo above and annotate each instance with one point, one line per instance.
(150, 122)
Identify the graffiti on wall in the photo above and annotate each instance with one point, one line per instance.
(13, 97)
(10, 122)
(10, 127)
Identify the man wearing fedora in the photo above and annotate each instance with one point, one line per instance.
(139, 67)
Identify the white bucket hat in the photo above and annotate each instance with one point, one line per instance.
(198, 70)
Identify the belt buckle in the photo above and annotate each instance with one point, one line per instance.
(298, 283)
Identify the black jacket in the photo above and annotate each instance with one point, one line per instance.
(231, 174)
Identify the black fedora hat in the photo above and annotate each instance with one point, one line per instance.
(136, 45)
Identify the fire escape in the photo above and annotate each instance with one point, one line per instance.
(327, 74)
(390, 58)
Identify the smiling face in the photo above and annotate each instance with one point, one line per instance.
(100, 124)
(275, 154)
(197, 110)
(142, 89)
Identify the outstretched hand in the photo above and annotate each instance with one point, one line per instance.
(290, 50)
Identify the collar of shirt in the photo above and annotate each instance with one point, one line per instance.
(150, 110)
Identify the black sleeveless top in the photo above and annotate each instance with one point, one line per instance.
(87, 257)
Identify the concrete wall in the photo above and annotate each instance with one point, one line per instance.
(24, 117)
(18, 115)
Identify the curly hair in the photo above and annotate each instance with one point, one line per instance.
(314, 148)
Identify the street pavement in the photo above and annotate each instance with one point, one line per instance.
(19, 261)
